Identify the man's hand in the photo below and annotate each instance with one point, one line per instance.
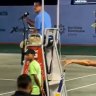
(42, 91)
(29, 21)
(66, 62)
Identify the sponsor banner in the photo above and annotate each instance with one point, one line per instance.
(78, 24)
(9, 19)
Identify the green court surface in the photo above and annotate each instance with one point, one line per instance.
(9, 48)
(65, 50)
(80, 80)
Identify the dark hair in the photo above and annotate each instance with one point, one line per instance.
(23, 81)
(38, 1)
(29, 51)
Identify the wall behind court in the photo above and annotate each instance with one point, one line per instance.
(9, 18)
(77, 23)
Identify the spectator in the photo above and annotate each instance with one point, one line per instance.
(24, 86)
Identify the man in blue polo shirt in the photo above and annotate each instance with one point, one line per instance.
(38, 19)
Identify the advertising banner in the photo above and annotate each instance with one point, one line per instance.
(78, 24)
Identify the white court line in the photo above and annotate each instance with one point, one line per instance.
(81, 87)
(65, 80)
(80, 77)
(9, 53)
(6, 93)
(1, 79)
(78, 56)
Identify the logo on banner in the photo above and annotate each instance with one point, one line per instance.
(74, 30)
(61, 28)
(94, 24)
(3, 13)
(2, 29)
(80, 1)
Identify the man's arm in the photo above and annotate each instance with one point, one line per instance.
(80, 62)
(36, 80)
(29, 22)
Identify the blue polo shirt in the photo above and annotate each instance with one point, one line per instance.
(38, 21)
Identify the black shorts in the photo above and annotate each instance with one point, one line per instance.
(36, 95)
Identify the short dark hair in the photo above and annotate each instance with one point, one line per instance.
(29, 51)
(23, 81)
(38, 1)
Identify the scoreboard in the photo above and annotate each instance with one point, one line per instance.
(77, 2)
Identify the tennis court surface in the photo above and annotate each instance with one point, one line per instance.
(80, 80)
